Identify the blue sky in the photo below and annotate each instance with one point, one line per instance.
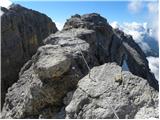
(129, 15)
(112, 10)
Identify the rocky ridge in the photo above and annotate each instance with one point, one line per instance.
(48, 81)
(22, 33)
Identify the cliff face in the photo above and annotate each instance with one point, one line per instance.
(47, 81)
(22, 33)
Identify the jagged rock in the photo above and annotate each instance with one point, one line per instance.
(22, 33)
(48, 76)
(113, 45)
(36, 95)
(68, 98)
(147, 112)
(136, 59)
(51, 64)
(95, 99)
(53, 72)
(41, 74)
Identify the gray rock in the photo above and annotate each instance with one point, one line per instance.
(113, 45)
(55, 69)
(68, 98)
(113, 88)
(136, 59)
(22, 33)
(51, 63)
(36, 95)
(51, 73)
(147, 112)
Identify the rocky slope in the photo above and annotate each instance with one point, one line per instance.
(47, 81)
(22, 33)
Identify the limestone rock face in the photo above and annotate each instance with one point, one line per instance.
(48, 81)
(22, 33)
(97, 99)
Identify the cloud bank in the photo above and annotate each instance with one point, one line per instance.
(147, 38)
(141, 33)
(5, 3)
(154, 65)
(153, 17)
(135, 6)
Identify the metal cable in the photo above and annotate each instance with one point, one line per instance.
(85, 62)
(93, 79)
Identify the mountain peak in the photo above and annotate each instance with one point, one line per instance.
(90, 21)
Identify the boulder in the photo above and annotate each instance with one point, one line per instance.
(51, 63)
(103, 96)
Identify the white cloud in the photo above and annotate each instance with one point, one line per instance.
(142, 34)
(59, 25)
(5, 3)
(154, 65)
(1, 13)
(153, 17)
(135, 6)
(136, 26)
(138, 32)
(153, 7)
(115, 24)
(135, 29)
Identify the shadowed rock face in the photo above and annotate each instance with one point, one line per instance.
(47, 81)
(136, 59)
(22, 33)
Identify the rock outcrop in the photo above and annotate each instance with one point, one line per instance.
(47, 81)
(136, 59)
(114, 45)
(47, 77)
(22, 33)
(113, 92)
